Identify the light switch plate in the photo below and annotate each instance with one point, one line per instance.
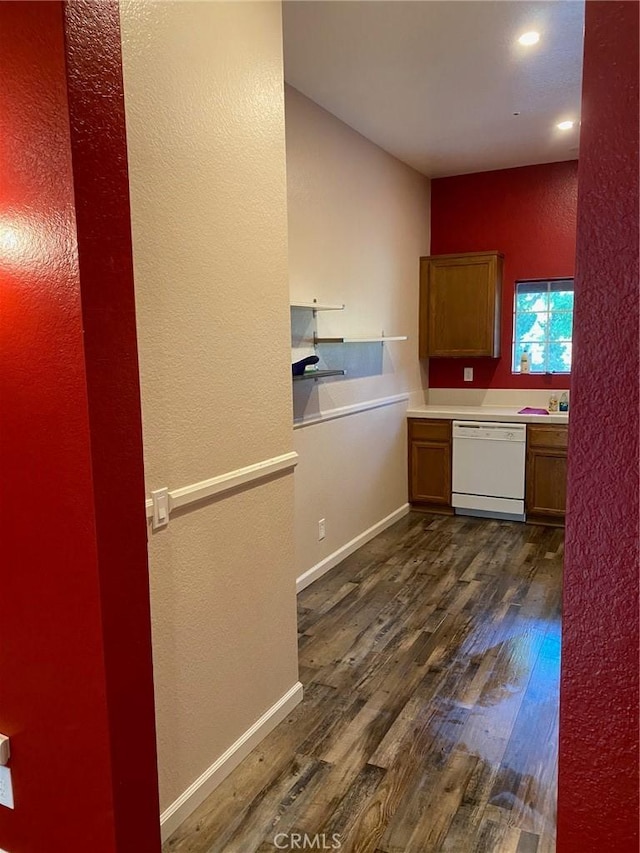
(6, 788)
(468, 374)
(160, 499)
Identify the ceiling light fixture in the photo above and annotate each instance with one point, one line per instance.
(529, 38)
(565, 125)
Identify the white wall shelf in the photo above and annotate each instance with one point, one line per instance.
(374, 340)
(317, 340)
(315, 306)
(318, 374)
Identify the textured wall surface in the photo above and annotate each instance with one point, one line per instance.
(358, 223)
(598, 790)
(75, 656)
(529, 214)
(103, 217)
(205, 121)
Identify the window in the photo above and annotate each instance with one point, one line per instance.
(542, 325)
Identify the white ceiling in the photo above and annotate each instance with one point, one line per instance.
(436, 83)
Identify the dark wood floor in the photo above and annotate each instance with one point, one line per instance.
(430, 660)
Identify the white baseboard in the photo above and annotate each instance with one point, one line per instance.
(187, 802)
(332, 560)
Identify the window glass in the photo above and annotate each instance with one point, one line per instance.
(542, 325)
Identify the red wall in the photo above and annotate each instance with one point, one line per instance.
(598, 784)
(528, 214)
(76, 692)
(101, 184)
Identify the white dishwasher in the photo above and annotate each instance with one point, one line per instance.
(488, 469)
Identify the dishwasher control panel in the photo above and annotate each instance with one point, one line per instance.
(492, 431)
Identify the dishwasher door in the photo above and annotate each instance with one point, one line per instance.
(488, 467)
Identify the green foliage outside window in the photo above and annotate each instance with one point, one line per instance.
(543, 322)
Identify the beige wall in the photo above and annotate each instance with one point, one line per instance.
(358, 223)
(205, 120)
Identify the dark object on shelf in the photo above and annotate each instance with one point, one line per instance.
(298, 367)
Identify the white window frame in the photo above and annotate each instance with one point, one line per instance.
(539, 283)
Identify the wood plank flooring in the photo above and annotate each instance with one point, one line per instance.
(430, 660)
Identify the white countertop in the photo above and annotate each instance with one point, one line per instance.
(485, 413)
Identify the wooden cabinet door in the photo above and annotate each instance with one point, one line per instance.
(430, 463)
(430, 473)
(460, 305)
(546, 484)
(546, 474)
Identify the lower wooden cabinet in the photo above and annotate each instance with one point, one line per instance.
(430, 465)
(430, 455)
(546, 473)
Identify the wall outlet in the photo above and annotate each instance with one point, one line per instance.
(321, 530)
(468, 374)
(6, 788)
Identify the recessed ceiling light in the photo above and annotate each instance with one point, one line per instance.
(529, 38)
(565, 125)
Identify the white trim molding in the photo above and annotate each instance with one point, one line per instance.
(207, 782)
(332, 560)
(343, 411)
(226, 482)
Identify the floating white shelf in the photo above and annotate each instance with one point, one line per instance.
(315, 306)
(377, 340)
(318, 306)
(318, 374)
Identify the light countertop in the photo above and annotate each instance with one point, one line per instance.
(485, 413)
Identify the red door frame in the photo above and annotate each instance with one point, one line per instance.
(76, 692)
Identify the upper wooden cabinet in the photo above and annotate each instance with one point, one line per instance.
(460, 305)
